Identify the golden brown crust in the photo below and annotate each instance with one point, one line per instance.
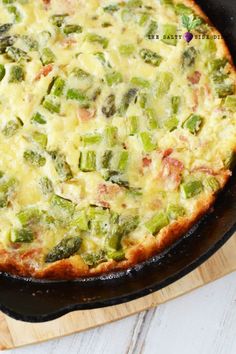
(74, 267)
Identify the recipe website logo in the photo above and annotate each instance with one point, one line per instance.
(190, 23)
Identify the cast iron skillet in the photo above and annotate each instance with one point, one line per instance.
(38, 301)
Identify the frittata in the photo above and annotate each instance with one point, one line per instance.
(117, 130)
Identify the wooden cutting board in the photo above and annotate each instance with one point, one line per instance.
(16, 333)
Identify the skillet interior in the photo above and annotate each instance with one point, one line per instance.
(37, 301)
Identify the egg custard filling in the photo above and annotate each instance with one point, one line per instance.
(117, 130)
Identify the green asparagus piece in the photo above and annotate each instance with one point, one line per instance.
(142, 100)
(15, 12)
(192, 188)
(63, 203)
(106, 159)
(140, 82)
(123, 160)
(16, 74)
(87, 161)
(66, 248)
(116, 255)
(6, 42)
(212, 183)
(34, 158)
(17, 54)
(223, 90)
(193, 123)
(127, 49)
(93, 259)
(111, 135)
(52, 104)
(7, 2)
(3, 200)
(99, 220)
(147, 141)
(47, 56)
(189, 57)
(29, 216)
(32, 44)
(61, 166)
(109, 106)
(217, 64)
(175, 102)
(38, 119)
(164, 80)
(133, 124)
(111, 8)
(113, 78)
(174, 211)
(5, 28)
(157, 222)
(12, 127)
(2, 72)
(230, 103)
(166, 2)
(181, 9)
(58, 20)
(152, 29)
(150, 57)
(128, 97)
(22, 235)
(169, 34)
(7, 187)
(75, 94)
(230, 161)
(122, 227)
(80, 73)
(171, 123)
(143, 18)
(91, 139)
(80, 221)
(210, 45)
(68, 29)
(151, 118)
(101, 57)
(46, 185)
(95, 38)
(41, 139)
(134, 3)
(117, 178)
(57, 87)
(219, 77)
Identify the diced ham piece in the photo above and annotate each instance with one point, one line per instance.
(68, 42)
(167, 152)
(44, 71)
(146, 161)
(84, 114)
(195, 99)
(195, 77)
(205, 169)
(108, 189)
(171, 172)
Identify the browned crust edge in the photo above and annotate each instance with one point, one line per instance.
(72, 267)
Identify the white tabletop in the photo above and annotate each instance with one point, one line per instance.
(202, 322)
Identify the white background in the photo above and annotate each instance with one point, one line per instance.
(202, 322)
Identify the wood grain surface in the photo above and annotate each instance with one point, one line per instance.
(15, 333)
